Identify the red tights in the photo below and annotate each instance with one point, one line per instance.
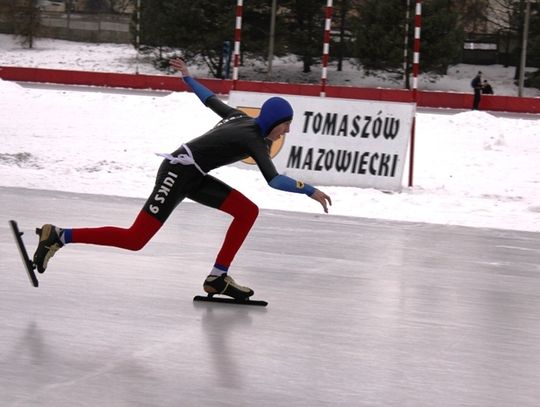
(146, 226)
(245, 213)
(134, 238)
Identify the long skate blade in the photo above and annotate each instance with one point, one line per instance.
(229, 300)
(29, 265)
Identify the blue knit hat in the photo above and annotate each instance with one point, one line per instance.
(274, 111)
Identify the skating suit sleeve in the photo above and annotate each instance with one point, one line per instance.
(209, 98)
(273, 178)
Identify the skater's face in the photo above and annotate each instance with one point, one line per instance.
(279, 130)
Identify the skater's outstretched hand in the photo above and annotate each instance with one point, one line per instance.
(180, 65)
(322, 198)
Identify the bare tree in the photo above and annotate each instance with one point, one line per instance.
(507, 17)
(473, 14)
(27, 16)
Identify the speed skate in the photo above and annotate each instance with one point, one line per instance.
(228, 300)
(28, 264)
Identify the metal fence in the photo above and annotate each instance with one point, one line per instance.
(87, 27)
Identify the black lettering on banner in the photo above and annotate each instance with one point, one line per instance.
(377, 125)
(365, 132)
(391, 128)
(295, 155)
(356, 153)
(317, 120)
(363, 162)
(343, 160)
(343, 126)
(383, 165)
(372, 160)
(356, 126)
(308, 161)
(394, 164)
(357, 162)
(307, 116)
(329, 126)
(329, 160)
(318, 165)
(334, 124)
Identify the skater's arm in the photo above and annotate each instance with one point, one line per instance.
(322, 198)
(288, 184)
(203, 93)
(284, 183)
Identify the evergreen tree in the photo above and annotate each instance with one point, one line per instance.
(342, 20)
(379, 29)
(380, 35)
(442, 36)
(534, 35)
(196, 28)
(201, 29)
(152, 30)
(256, 28)
(306, 29)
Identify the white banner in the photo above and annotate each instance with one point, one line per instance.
(340, 142)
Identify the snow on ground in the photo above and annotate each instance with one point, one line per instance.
(471, 168)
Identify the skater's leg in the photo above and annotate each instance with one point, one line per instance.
(169, 190)
(171, 186)
(245, 213)
(135, 237)
(219, 195)
(52, 238)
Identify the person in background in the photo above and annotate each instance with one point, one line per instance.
(476, 84)
(486, 88)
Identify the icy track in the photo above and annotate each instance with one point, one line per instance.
(361, 313)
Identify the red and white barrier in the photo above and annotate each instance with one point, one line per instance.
(448, 100)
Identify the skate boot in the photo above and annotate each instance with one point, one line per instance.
(49, 243)
(225, 285)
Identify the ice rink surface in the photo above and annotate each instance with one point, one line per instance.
(361, 312)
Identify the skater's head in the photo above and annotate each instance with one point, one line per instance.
(275, 112)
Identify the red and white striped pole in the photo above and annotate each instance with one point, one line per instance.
(406, 44)
(237, 35)
(416, 54)
(326, 45)
(415, 69)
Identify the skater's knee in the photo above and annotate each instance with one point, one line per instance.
(136, 245)
(240, 206)
(247, 211)
(252, 211)
(142, 230)
(135, 239)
